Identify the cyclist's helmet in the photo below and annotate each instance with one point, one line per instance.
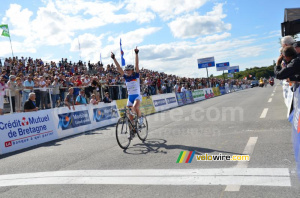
(129, 67)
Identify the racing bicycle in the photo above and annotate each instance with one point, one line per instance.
(127, 129)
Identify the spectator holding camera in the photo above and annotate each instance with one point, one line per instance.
(289, 55)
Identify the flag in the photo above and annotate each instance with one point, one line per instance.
(5, 31)
(122, 54)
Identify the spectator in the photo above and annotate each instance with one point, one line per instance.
(37, 92)
(12, 87)
(30, 105)
(93, 100)
(164, 88)
(43, 90)
(81, 99)
(289, 54)
(55, 92)
(183, 89)
(5, 76)
(3, 86)
(28, 87)
(18, 94)
(176, 87)
(296, 45)
(69, 100)
(287, 41)
(107, 98)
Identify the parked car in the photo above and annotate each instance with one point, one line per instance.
(254, 83)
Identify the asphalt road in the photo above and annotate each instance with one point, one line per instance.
(93, 165)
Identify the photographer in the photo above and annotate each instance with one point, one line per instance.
(289, 54)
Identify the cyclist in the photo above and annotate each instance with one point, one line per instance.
(132, 79)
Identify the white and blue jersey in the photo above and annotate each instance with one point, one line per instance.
(133, 88)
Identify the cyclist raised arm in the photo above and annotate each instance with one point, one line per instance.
(119, 68)
(137, 69)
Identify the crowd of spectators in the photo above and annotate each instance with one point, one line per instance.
(68, 84)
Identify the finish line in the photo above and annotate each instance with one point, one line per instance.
(227, 176)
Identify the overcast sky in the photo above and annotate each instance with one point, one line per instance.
(171, 34)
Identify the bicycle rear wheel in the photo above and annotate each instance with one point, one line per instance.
(123, 133)
(143, 129)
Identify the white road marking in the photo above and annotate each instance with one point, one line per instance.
(229, 176)
(247, 151)
(243, 164)
(272, 94)
(264, 113)
(270, 100)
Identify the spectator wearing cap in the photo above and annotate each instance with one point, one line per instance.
(3, 86)
(296, 45)
(28, 87)
(81, 99)
(18, 94)
(30, 105)
(12, 87)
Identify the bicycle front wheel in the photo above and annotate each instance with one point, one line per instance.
(123, 133)
(143, 129)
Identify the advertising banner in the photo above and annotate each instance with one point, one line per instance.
(23, 130)
(296, 129)
(208, 93)
(164, 101)
(146, 107)
(233, 69)
(206, 62)
(222, 66)
(181, 99)
(84, 118)
(189, 97)
(222, 90)
(70, 122)
(198, 94)
(105, 114)
(216, 91)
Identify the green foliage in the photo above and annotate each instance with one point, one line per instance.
(257, 72)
